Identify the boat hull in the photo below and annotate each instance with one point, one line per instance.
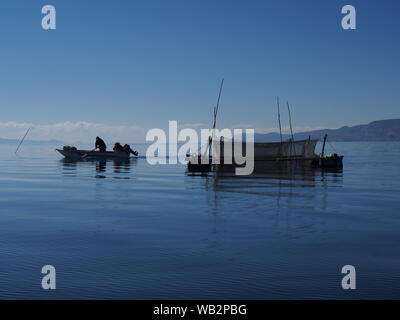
(88, 154)
(330, 162)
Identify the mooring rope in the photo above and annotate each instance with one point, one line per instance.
(332, 147)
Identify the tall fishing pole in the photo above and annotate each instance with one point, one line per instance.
(216, 108)
(290, 120)
(290, 123)
(27, 131)
(279, 119)
(280, 127)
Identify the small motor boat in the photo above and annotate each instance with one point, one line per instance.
(74, 153)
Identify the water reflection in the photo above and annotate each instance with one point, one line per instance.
(297, 187)
(100, 169)
(290, 174)
(290, 203)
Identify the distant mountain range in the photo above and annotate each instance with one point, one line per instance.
(382, 130)
(16, 141)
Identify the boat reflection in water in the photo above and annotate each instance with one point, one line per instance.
(101, 169)
(267, 169)
(272, 187)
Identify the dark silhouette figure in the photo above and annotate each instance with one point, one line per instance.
(118, 147)
(127, 148)
(100, 144)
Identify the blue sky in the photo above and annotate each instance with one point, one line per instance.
(142, 63)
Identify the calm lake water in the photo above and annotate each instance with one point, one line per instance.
(134, 231)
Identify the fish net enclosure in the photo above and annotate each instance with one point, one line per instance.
(269, 150)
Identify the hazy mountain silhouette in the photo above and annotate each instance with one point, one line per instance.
(382, 130)
(16, 141)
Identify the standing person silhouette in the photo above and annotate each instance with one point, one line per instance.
(100, 144)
